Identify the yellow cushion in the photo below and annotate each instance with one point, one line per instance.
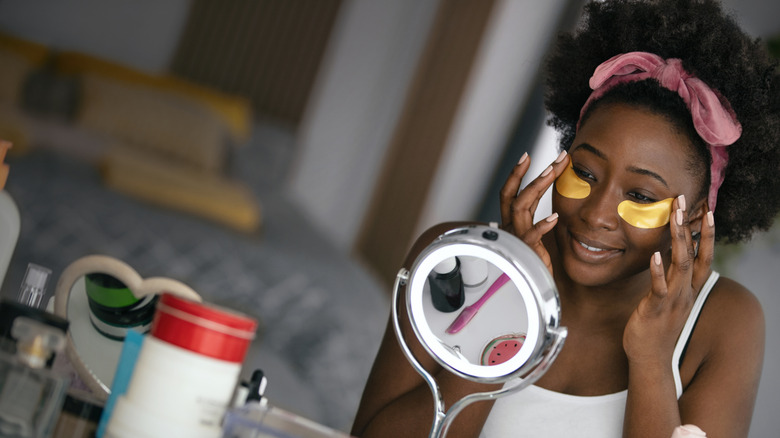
(235, 111)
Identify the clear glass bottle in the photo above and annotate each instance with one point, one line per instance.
(34, 285)
(31, 395)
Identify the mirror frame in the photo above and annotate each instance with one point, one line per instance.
(139, 286)
(532, 280)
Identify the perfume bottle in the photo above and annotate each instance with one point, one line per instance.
(446, 285)
(33, 286)
(31, 395)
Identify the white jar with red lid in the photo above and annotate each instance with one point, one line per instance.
(186, 372)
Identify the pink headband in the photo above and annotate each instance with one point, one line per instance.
(713, 117)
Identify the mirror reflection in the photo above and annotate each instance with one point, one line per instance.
(101, 309)
(113, 309)
(474, 310)
(104, 298)
(482, 304)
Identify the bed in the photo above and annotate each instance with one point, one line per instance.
(321, 313)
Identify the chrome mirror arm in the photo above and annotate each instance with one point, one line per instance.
(438, 401)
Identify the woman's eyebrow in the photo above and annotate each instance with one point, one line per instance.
(638, 170)
(650, 173)
(592, 150)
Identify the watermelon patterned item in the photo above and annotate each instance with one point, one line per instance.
(502, 348)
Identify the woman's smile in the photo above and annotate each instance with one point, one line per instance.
(589, 250)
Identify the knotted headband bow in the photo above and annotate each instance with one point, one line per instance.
(713, 118)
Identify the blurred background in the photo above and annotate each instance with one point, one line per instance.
(281, 156)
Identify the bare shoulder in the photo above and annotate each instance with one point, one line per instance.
(722, 367)
(731, 325)
(731, 302)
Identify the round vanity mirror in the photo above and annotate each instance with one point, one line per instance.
(103, 297)
(485, 307)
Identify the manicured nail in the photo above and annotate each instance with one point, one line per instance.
(657, 258)
(547, 171)
(710, 219)
(679, 216)
(681, 202)
(552, 217)
(561, 156)
(523, 158)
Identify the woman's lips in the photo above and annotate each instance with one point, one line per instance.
(592, 250)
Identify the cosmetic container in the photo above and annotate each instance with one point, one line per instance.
(473, 270)
(131, 347)
(11, 310)
(446, 286)
(257, 419)
(79, 417)
(31, 395)
(185, 374)
(113, 309)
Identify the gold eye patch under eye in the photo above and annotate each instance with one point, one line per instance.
(646, 215)
(569, 185)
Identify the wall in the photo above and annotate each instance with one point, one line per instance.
(501, 82)
(354, 108)
(140, 33)
(366, 74)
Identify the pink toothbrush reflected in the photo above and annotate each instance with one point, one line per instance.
(469, 311)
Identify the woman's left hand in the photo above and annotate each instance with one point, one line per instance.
(653, 328)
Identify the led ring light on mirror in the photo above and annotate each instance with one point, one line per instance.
(94, 353)
(526, 305)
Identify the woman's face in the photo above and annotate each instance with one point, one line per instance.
(625, 154)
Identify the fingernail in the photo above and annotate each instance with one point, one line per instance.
(547, 171)
(679, 216)
(552, 217)
(681, 202)
(657, 258)
(560, 156)
(710, 219)
(523, 158)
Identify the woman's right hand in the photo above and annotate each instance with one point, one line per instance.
(518, 206)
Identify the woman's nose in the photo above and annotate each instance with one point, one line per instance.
(599, 210)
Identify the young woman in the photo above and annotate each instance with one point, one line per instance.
(670, 122)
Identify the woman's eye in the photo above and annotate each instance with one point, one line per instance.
(641, 198)
(583, 174)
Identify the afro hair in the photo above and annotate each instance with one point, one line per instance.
(712, 47)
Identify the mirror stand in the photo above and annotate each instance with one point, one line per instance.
(442, 417)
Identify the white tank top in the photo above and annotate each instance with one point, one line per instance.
(538, 412)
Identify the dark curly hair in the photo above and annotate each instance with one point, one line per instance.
(711, 46)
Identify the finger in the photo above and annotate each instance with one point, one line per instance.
(535, 233)
(524, 205)
(703, 262)
(659, 290)
(683, 253)
(511, 187)
(533, 238)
